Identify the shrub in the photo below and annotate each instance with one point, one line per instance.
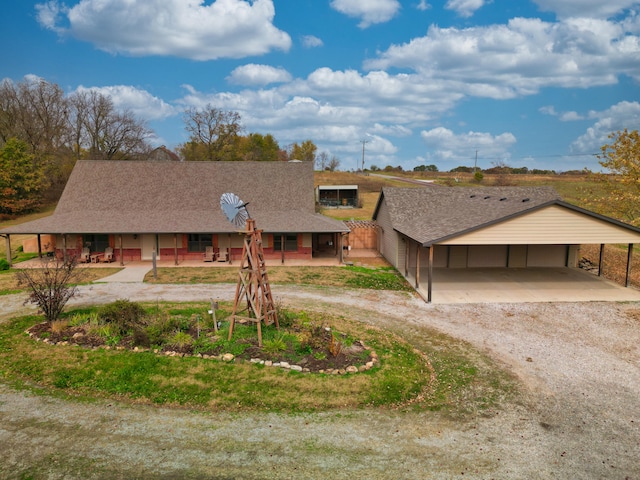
(4, 265)
(123, 315)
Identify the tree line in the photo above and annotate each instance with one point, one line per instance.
(43, 132)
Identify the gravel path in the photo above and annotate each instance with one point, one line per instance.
(579, 417)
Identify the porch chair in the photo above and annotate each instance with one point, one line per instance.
(108, 255)
(85, 256)
(208, 255)
(223, 256)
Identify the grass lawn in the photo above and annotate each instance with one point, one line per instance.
(377, 278)
(403, 377)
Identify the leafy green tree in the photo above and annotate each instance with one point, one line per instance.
(21, 179)
(258, 147)
(621, 158)
(306, 151)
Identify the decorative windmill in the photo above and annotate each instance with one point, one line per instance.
(253, 281)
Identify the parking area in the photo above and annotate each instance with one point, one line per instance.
(515, 285)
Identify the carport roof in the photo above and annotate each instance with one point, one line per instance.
(435, 214)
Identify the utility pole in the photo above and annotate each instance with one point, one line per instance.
(363, 144)
(475, 165)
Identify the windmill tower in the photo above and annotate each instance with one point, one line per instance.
(253, 292)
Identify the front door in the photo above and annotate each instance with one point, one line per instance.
(149, 244)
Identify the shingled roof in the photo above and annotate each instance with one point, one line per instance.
(183, 197)
(430, 215)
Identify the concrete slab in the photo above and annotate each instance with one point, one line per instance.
(512, 285)
(129, 274)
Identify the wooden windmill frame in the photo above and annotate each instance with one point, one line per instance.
(253, 291)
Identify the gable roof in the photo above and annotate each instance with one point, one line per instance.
(183, 197)
(429, 215)
(437, 214)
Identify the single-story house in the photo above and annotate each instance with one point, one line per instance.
(172, 209)
(337, 196)
(422, 229)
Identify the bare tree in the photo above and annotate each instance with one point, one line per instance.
(333, 164)
(52, 285)
(103, 132)
(212, 133)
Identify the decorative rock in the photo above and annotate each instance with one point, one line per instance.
(78, 335)
(352, 369)
(268, 363)
(284, 365)
(275, 364)
(256, 360)
(228, 357)
(369, 365)
(362, 368)
(342, 371)
(296, 368)
(305, 370)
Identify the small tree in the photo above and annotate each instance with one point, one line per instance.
(51, 286)
(622, 159)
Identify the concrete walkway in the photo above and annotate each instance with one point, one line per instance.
(129, 274)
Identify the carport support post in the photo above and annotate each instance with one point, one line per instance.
(629, 259)
(430, 274)
(418, 266)
(601, 261)
(39, 247)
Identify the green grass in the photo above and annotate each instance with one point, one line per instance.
(377, 278)
(404, 376)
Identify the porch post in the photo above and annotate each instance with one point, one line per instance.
(39, 247)
(282, 240)
(64, 248)
(430, 277)
(229, 236)
(601, 260)
(418, 266)
(8, 246)
(341, 247)
(175, 249)
(629, 259)
(121, 251)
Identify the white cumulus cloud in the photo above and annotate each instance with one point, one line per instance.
(253, 74)
(586, 8)
(369, 11)
(617, 117)
(464, 8)
(311, 41)
(140, 102)
(189, 29)
(449, 146)
(521, 57)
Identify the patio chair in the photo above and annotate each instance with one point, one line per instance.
(85, 256)
(223, 256)
(208, 255)
(108, 255)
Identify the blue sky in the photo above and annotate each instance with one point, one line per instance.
(536, 83)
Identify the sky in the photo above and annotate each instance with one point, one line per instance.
(535, 83)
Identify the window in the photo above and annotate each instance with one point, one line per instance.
(290, 242)
(198, 242)
(95, 243)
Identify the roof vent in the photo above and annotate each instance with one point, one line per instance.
(525, 200)
(472, 196)
(488, 196)
(503, 199)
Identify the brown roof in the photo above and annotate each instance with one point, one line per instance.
(183, 197)
(429, 215)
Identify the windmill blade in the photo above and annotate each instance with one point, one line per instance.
(234, 209)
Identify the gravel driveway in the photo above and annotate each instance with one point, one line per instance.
(579, 416)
